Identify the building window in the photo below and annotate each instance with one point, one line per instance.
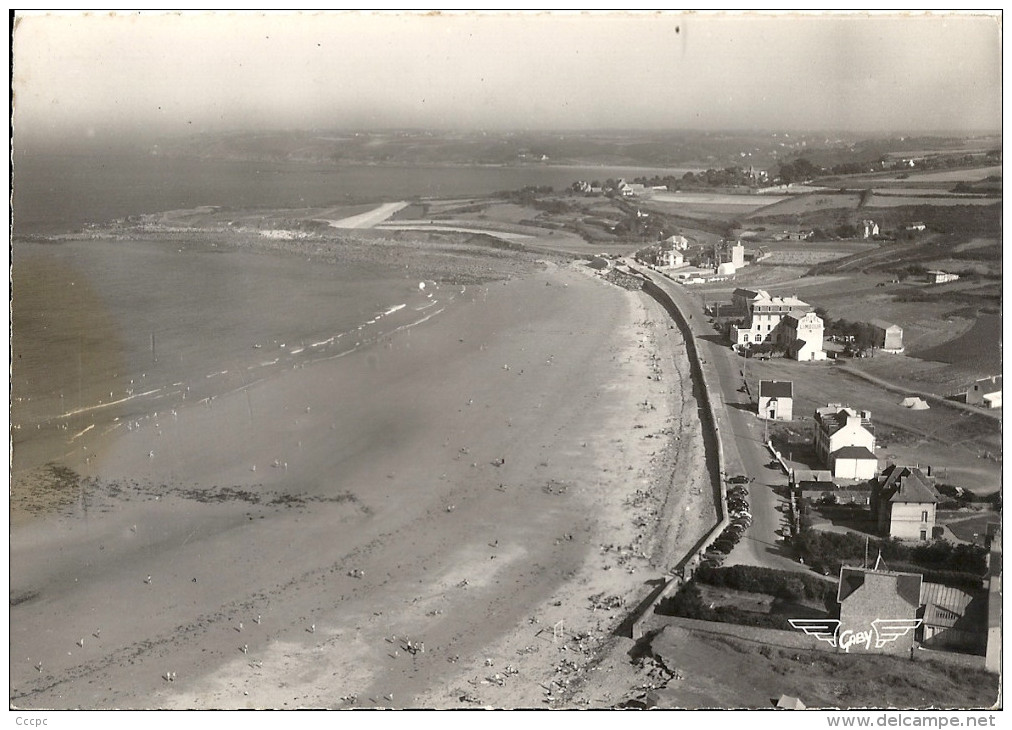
(758, 338)
(924, 516)
(924, 534)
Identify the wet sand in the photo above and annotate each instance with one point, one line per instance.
(458, 515)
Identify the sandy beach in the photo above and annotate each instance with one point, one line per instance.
(457, 515)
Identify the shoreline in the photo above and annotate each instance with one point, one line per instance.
(263, 522)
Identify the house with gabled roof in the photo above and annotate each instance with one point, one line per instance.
(867, 596)
(776, 400)
(985, 392)
(903, 501)
(845, 442)
(888, 336)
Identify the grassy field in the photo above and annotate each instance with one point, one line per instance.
(978, 348)
(967, 174)
(943, 437)
(974, 529)
(800, 205)
(899, 201)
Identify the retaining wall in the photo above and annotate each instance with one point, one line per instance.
(703, 384)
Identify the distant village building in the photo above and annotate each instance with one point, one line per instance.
(888, 336)
(868, 229)
(726, 269)
(776, 400)
(844, 442)
(903, 502)
(669, 259)
(941, 277)
(761, 318)
(985, 392)
(866, 595)
(738, 255)
(915, 226)
(679, 243)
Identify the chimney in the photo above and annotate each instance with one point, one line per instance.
(929, 471)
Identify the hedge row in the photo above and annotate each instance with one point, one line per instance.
(784, 584)
(688, 603)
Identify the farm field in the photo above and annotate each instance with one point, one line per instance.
(966, 174)
(978, 348)
(895, 201)
(811, 203)
(723, 199)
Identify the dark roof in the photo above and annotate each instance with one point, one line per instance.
(833, 418)
(853, 452)
(907, 484)
(776, 389)
(908, 585)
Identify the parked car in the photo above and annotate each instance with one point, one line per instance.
(737, 492)
(724, 545)
(740, 479)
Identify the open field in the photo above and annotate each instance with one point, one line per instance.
(978, 348)
(898, 201)
(967, 174)
(800, 205)
(943, 437)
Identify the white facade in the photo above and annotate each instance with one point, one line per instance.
(839, 428)
(804, 336)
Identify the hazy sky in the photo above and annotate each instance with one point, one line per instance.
(81, 75)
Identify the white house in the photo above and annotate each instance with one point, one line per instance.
(868, 229)
(776, 400)
(941, 277)
(985, 392)
(844, 442)
(679, 243)
(803, 334)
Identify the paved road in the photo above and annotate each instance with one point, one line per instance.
(744, 452)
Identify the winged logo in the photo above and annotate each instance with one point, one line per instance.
(891, 629)
(822, 629)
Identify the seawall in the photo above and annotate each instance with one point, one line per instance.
(703, 383)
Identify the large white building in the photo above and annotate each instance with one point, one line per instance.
(845, 442)
(786, 321)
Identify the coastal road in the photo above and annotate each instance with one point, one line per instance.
(742, 432)
(370, 218)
